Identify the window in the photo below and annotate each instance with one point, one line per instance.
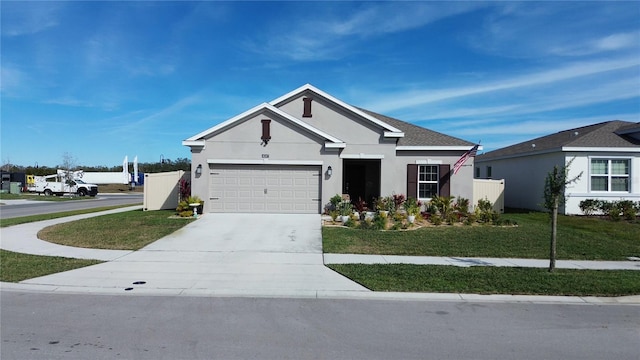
(477, 172)
(427, 181)
(610, 175)
(489, 172)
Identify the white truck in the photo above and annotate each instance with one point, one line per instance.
(59, 184)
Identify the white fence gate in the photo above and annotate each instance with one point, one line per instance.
(492, 190)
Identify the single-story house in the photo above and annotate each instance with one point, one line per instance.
(607, 155)
(291, 155)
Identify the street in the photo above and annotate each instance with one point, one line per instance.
(26, 208)
(72, 326)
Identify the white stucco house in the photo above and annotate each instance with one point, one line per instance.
(291, 155)
(606, 154)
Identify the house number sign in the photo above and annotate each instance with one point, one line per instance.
(265, 156)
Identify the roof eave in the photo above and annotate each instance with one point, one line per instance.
(436, 148)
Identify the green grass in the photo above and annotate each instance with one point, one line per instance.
(579, 238)
(491, 280)
(129, 230)
(36, 197)
(41, 217)
(15, 267)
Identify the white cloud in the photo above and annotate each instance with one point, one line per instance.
(331, 36)
(413, 98)
(26, 18)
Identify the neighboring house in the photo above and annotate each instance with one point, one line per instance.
(293, 154)
(606, 154)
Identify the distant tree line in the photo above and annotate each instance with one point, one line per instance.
(156, 167)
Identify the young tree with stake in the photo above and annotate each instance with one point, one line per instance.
(554, 186)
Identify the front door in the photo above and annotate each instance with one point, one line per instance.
(361, 180)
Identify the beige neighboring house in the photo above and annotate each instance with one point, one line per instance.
(607, 154)
(293, 154)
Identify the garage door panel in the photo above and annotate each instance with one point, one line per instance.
(241, 188)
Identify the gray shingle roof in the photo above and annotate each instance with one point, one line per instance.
(596, 135)
(418, 136)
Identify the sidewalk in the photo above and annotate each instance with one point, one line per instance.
(466, 262)
(23, 238)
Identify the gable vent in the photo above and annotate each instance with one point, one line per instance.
(307, 107)
(266, 131)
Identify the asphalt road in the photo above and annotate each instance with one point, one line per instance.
(67, 326)
(26, 208)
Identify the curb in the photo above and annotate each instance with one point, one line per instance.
(633, 300)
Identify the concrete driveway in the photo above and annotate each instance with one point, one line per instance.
(219, 254)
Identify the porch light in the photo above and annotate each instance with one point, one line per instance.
(199, 170)
(329, 171)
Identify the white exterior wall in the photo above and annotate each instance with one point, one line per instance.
(580, 190)
(524, 177)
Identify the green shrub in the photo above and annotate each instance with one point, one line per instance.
(186, 213)
(380, 222)
(627, 207)
(436, 219)
(589, 206)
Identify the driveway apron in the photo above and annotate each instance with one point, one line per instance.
(219, 254)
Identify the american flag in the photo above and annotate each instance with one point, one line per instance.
(472, 152)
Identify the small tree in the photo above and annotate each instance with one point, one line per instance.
(554, 186)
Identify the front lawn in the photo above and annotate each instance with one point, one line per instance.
(15, 267)
(491, 280)
(579, 238)
(129, 230)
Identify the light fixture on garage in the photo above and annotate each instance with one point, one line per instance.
(199, 170)
(329, 171)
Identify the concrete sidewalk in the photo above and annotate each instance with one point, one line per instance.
(468, 261)
(23, 238)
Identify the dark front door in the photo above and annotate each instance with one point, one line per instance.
(361, 180)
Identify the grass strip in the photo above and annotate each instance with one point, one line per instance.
(129, 230)
(491, 280)
(41, 217)
(579, 238)
(15, 267)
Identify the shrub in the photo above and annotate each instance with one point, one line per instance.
(611, 209)
(398, 200)
(627, 207)
(334, 214)
(361, 206)
(589, 206)
(350, 223)
(461, 205)
(435, 219)
(380, 222)
(186, 213)
(412, 206)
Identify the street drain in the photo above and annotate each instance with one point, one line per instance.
(139, 283)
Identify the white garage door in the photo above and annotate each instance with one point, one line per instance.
(264, 188)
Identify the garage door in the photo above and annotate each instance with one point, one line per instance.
(265, 188)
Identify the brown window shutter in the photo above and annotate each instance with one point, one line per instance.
(266, 130)
(412, 180)
(307, 107)
(444, 184)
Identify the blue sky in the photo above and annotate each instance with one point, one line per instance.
(101, 80)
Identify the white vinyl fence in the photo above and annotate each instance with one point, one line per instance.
(162, 190)
(492, 190)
